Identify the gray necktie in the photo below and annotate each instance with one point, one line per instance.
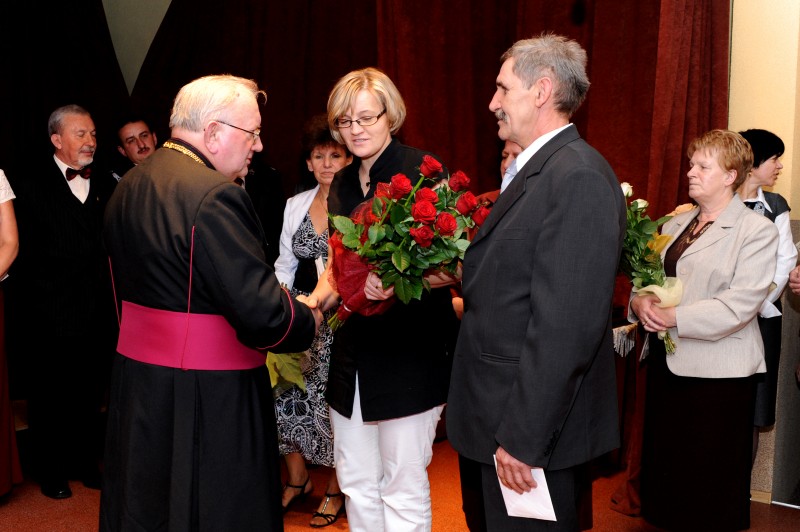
(511, 171)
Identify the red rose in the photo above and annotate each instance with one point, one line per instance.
(423, 235)
(382, 190)
(466, 203)
(446, 224)
(400, 186)
(424, 211)
(480, 214)
(426, 194)
(459, 181)
(429, 166)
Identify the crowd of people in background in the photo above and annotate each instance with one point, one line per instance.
(144, 297)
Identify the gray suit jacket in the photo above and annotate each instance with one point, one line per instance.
(534, 364)
(726, 275)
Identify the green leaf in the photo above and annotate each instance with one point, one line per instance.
(401, 259)
(406, 289)
(351, 240)
(343, 224)
(376, 233)
(285, 370)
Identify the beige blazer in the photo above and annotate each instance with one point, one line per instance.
(726, 275)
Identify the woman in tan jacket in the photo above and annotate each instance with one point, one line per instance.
(699, 406)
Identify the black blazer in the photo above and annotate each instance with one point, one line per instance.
(534, 363)
(401, 356)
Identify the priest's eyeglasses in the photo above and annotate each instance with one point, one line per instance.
(344, 123)
(256, 133)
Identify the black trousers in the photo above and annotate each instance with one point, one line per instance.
(485, 510)
(66, 393)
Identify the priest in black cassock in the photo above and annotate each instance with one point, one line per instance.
(192, 440)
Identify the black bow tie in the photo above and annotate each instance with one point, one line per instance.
(83, 172)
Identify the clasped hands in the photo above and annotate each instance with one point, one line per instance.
(312, 304)
(653, 317)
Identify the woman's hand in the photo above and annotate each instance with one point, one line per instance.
(653, 317)
(374, 290)
(439, 278)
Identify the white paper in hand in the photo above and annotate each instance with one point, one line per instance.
(535, 504)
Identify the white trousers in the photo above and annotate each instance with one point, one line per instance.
(382, 468)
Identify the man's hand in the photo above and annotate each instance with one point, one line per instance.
(794, 281)
(512, 473)
(311, 302)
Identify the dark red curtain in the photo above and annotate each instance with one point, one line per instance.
(659, 73)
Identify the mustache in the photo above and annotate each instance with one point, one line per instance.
(500, 115)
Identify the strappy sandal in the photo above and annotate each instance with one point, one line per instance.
(329, 518)
(299, 497)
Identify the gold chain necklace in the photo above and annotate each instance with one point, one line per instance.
(690, 236)
(184, 150)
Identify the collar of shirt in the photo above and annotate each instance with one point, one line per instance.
(759, 197)
(530, 151)
(79, 187)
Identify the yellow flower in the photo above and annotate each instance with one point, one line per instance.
(685, 207)
(659, 242)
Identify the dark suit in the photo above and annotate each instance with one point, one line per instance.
(534, 369)
(264, 186)
(61, 316)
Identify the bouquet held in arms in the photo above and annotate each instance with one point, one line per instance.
(641, 259)
(403, 233)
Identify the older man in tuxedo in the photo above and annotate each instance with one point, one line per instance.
(533, 380)
(60, 295)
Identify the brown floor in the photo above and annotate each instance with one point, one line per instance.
(27, 510)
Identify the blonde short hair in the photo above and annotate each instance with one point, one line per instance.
(344, 94)
(732, 150)
(207, 98)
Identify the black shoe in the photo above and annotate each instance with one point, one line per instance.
(328, 518)
(56, 489)
(300, 497)
(92, 480)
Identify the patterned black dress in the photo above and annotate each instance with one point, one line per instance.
(304, 424)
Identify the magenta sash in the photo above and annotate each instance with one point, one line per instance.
(183, 340)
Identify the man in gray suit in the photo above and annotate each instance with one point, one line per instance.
(533, 380)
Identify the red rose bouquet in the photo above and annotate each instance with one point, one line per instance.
(403, 233)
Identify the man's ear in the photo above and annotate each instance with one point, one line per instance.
(211, 136)
(55, 138)
(543, 90)
(121, 151)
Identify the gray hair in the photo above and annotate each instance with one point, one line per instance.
(554, 56)
(207, 98)
(56, 120)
